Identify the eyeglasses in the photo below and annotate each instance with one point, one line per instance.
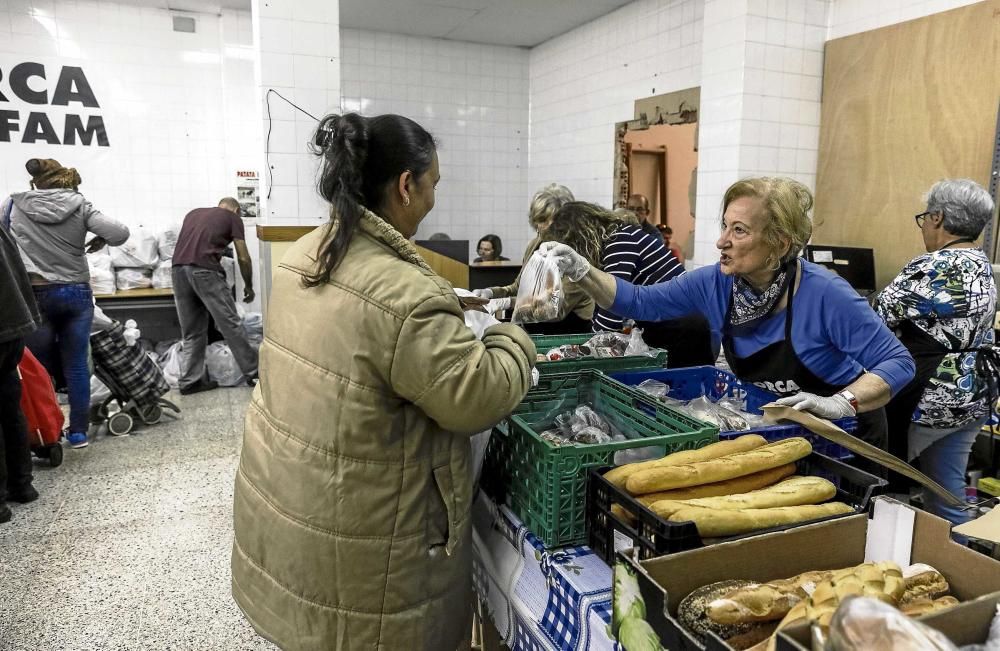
(921, 217)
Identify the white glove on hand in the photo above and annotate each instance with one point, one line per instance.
(571, 264)
(483, 293)
(832, 408)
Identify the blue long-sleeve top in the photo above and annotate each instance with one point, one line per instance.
(834, 331)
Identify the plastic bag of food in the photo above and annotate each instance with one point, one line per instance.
(567, 351)
(637, 347)
(170, 364)
(166, 241)
(99, 392)
(608, 344)
(133, 278)
(654, 388)
(540, 292)
(138, 251)
(728, 421)
(221, 364)
(102, 276)
(590, 434)
(163, 275)
(863, 623)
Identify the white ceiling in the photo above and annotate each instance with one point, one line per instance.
(523, 23)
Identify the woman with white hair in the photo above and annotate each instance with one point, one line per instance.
(942, 306)
(577, 308)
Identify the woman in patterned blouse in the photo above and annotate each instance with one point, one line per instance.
(942, 306)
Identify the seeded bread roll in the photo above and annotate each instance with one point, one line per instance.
(923, 582)
(730, 466)
(791, 492)
(617, 476)
(691, 611)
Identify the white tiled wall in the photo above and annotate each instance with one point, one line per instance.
(299, 50)
(585, 81)
(474, 100)
(852, 16)
(174, 104)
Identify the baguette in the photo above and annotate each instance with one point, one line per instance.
(791, 492)
(729, 487)
(617, 476)
(713, 524)
(730, 466)
(745, 484)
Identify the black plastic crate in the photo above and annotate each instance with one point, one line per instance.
(652, 536)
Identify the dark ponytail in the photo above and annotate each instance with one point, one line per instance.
(361, 157)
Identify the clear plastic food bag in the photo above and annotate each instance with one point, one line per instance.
(540, 292)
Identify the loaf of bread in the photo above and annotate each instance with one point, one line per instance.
(745, 484)
(791, 492)
(923, 605)
(691, 611)
(923, 582)
(617, 476)
(728, 487)
(763, 602)
(882, 581)
(713, 524)
(739, 464)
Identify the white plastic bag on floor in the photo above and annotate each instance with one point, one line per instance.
(166, 241)
(133, 278)
(170, 364)
(98, 391)
(222, 366)
(138, 251)
(163, 275)
(253, 325)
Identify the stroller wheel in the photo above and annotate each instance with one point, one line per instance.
(151, 415)
(55, 455)
(43, 453)
(120, 424)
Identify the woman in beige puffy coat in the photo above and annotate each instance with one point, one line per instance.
(352, 500)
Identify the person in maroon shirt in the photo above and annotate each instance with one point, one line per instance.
(200, 290)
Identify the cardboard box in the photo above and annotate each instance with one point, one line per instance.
(967, 623)
(896, 532)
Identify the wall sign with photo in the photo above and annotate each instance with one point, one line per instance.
(248, 193)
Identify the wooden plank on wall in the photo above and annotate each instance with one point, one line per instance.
(903, 107)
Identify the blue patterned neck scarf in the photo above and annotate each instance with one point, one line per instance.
(750, 306)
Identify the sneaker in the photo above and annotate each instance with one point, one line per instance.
(77, 440)
(199, 386)
(5, 513)
(24, 495)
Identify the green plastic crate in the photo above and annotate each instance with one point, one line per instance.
(545, 343)
(545, 485)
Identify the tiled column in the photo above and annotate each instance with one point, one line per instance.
(762, 63)
(298, 43)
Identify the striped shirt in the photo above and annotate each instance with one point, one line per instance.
(638, 257)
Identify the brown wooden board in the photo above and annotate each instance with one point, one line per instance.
(903, 107)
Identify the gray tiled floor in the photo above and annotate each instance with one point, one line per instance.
(128, 546)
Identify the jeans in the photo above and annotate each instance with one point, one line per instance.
(199, 292)
(944, 460)
(62, 343)
(15, 457)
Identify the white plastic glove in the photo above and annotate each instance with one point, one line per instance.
(483, 293)
(571, 264)
(832, 408)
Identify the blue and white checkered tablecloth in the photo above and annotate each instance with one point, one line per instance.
(539, 599)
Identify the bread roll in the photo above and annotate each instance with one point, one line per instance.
(712, 524)
(923, 582)
(923, 605)
(691, 611)
(740, 464)
(617, 476)
(729, 487)
(791, 492)
(766, 601)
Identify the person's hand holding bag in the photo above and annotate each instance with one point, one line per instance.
(571, 264)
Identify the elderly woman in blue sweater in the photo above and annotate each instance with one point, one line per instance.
(785, 324)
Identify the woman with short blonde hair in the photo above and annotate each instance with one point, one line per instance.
(786, 325)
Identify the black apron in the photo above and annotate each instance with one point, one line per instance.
(778, 369)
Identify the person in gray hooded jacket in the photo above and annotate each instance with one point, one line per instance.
(50, 224)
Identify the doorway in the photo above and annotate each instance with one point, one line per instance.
(657, 157)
